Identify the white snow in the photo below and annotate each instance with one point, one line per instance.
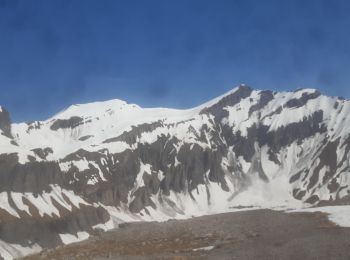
(239, 116)
(109, 119)
(42, 202)
(120, 215)
(102, 120)
(71, 238)
(10, 251)
(144, 168)
(105, 226)
(95, 109)
(339, 215)
(274, 194)
(245, 165)
(18, 200)
(4, 204)
(206, 248)
(92, 181)
(74, 199)
(270, 168)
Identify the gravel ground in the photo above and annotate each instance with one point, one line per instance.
(255, 234)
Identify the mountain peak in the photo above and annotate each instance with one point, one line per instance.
(94, 108)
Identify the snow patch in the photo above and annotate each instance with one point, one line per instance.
(10, 251)
(206, 248)
(339, 215)
(273, 194)
(105, 226)
(71, 238)
(4, 204)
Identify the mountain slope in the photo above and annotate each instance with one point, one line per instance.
(94, 165)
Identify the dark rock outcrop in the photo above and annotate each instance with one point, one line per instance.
(5, 122)
(67, 123)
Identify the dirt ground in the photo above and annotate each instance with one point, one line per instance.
(255, 234)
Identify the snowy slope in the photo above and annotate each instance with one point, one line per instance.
(107, 162)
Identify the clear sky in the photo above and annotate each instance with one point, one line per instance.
(171, 53)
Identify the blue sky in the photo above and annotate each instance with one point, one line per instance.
(166, 53)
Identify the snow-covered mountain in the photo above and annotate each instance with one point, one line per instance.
(94, 165)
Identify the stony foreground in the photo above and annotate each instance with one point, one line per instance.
(255, 234)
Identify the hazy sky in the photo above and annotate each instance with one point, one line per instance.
(168, 53)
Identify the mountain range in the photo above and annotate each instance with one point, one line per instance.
(93, 166)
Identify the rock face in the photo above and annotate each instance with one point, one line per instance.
(5, 122)
(93, 165)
